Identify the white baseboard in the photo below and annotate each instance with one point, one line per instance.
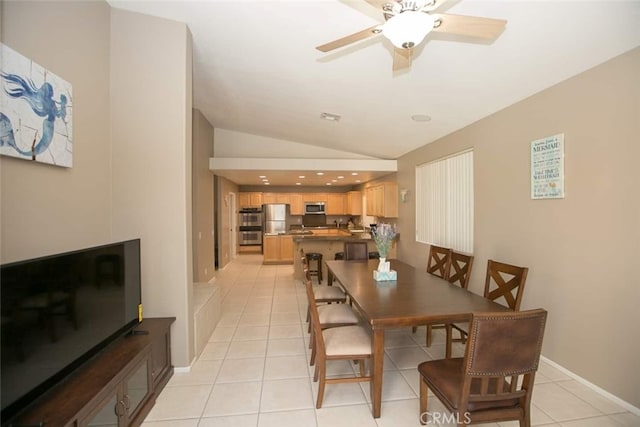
(182, 369)
(626, 405)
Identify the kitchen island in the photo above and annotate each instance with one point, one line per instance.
(328, 244)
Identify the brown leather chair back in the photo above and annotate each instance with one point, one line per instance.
(501, 348)
(355, 251)
(494, 381)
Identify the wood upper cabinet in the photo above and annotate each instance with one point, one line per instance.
(268, 198)
(382, 200)
(296, 204)
(354, 203)
(314, 197)
(283, 198)
(335, 204)
(249, 200)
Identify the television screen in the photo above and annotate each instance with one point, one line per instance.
(59, 311)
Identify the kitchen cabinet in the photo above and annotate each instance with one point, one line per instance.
(335, 204)
(277, 249)
(269, 198)
(382, 200)
(314, 197)
(354, 203)
(296, 204)
(284, 198)
(249, 199)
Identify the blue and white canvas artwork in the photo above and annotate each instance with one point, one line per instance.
(36, 111)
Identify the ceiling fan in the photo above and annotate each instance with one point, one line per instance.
(407, 23)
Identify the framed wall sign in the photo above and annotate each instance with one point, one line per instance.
(36, 111)
(547, 167)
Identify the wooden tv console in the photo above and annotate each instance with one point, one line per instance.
(117, 387)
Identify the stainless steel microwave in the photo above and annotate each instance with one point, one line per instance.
(314, 208)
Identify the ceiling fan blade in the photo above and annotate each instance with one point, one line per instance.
(402, 58)
(352, 38)
(471, 26)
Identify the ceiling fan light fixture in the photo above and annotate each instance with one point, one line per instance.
(407, 29)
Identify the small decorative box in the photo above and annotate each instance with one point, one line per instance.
(380, 276)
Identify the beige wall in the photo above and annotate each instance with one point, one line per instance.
(47, 209)
(581, 250)
(203, 196)
(151, 148)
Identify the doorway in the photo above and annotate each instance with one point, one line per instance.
(233, 226)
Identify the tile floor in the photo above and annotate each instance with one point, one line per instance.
(254, 371)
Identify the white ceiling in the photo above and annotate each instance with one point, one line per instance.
(256, 69)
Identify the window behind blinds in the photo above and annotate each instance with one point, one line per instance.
(444, 202)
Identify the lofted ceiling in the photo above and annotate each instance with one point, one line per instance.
(256, 69)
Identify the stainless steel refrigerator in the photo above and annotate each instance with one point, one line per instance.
(275, 218)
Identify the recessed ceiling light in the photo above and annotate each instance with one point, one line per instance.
(301, 177)
(334, 180)
(328, 183)
(357, 180)
(266, 183)
(330, 117)
(340, 177)
(354, 173)
(262, 176)
(420, 118)
(297, 183)
(320, 173)
(265, 179)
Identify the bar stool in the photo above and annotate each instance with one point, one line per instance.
(339, 256)
(317, 257)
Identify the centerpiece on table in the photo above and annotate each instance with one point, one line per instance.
(383, 235)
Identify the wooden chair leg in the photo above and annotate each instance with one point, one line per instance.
(447, 353)
(312, 360)
(414, 329)
(363, 372)
(424, 394)
(429, 337)
(320, 389)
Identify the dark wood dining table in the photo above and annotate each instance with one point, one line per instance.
(415, 298)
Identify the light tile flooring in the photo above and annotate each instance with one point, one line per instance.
(255, 371)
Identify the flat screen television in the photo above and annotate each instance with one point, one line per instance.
(58, 312)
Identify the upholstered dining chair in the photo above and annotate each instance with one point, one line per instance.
(459, 272)
(504, 284)
(331, 316)
(494, 380)
(340, 343)
(323, 293)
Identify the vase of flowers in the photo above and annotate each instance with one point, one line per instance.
(383, 235)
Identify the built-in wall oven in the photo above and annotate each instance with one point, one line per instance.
(250, 227)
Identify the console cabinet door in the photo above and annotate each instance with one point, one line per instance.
(105, 414)
(124, 403)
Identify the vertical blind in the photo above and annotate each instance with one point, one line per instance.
(444, 202)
